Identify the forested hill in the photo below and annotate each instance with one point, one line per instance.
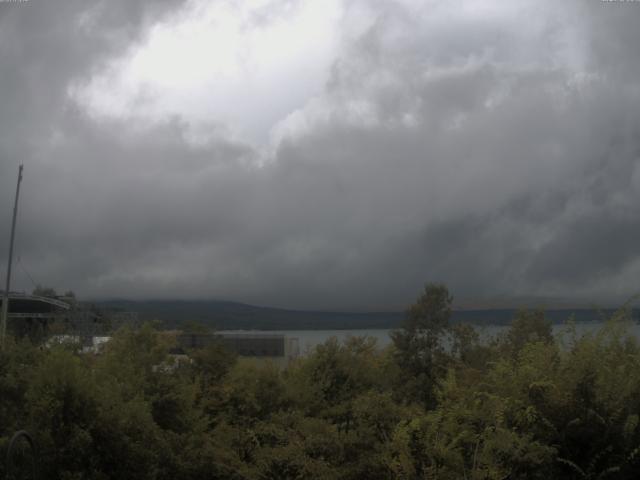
(231, 315)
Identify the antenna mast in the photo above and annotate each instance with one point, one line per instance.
(5, 299)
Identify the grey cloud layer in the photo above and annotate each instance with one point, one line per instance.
(497, 152)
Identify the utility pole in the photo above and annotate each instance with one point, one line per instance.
(5, 299)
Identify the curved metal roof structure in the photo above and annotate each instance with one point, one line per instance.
(22, 305)
(36, 298)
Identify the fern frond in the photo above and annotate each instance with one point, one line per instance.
(572, 465)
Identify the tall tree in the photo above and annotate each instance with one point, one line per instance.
(418, 344)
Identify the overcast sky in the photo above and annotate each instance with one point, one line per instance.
(323, 154)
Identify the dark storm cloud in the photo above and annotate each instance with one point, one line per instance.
(42, 46)
(495, 149)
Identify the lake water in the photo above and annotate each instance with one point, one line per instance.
(309, 339)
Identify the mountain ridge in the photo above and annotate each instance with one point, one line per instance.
(230, 315)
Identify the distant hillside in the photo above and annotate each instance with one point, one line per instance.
(231, 315)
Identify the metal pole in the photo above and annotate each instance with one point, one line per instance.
(5, 299)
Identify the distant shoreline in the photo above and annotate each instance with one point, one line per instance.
(238, 316)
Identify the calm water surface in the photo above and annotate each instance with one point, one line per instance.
(309, 339)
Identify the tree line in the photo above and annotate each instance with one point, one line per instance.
(438, 403)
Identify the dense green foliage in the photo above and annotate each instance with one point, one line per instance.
(438, 403)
